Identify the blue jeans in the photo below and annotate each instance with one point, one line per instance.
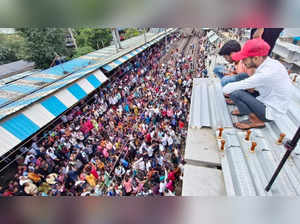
(219, 70)
(235, 78)
(248, 104)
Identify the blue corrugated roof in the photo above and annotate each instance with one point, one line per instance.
(22, 102)
(51, 87)
(94, 81)
(125, 57)
(3, 100)
(118, 62)
(54, 105)
(20, 126)
(39, 79)
(69, 66)
(18, 88)
(77, 91)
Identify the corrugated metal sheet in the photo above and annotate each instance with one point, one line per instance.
(54, 105)
(264, 161)
(76, 90)
(247, 173)
(39, 115)
(33, 97)
(66, 97)
(93, 81)
(15, 67)
(254, 169)
(86, 86)
(17, 76)
(20, 126)
(290, 52)
(8, 141)
(208, 107)
(100, 76)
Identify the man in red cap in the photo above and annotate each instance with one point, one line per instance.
(271, 80)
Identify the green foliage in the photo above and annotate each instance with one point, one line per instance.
(7, 55)
(41, 45)
(95, 38)
(131, 32)
(11, 48)
(82, 51)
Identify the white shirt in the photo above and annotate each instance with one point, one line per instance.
(165, 140)
(148, 166)
(149, 151)
(162, 187)
(142, 165)
(142, 147)
(170, 140)
(161, 160)
(272, 82)
(161, 148)
(51, 154)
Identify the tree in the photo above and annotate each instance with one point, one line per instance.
(11, 48)
(42, 44)
(83, 51)
(95, 38)
(131, 32)
(7, 55)
(100, 38)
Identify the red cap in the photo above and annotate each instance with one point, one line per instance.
(252, 48)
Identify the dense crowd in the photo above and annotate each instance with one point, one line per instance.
(128, 139)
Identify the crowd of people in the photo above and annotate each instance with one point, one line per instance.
(127, 139)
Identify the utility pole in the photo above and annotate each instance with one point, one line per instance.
(116, 38)
(72, 37)
(145, 35)
(166, 40)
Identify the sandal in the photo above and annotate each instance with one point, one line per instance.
(249, 123)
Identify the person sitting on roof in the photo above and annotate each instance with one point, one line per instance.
(271, 80)
(240, 72)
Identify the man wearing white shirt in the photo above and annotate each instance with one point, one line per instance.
(149, 150)
(141, 164)
(270, 80)
(142, 147)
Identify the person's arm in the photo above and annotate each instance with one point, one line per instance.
(252, 82)
(166, 176)
(258, 33)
